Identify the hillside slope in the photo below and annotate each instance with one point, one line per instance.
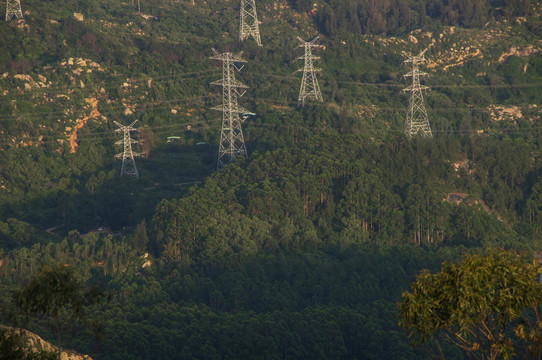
(302, 249)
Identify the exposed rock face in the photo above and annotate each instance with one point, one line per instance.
(36, 343)
(456, 198)
(514, 51)
(78, 16)
(499, 113)
(80, 123)
(24, 77)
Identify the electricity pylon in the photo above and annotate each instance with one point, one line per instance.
(128, 164)
(13, 9)
(232, 142)
(309, 85)
(249, 21)
(417, 121)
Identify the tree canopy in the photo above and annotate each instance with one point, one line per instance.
(481, 304)
(54, 292)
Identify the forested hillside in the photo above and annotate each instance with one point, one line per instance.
(302, 249)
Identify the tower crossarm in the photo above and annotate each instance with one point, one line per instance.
(416, 88)
(308, 43)
(121, 126)
(234, 109)
(232, 83)
(313, 69)
(410, 57)
(121, 155)
(415, 73)
(310, 46)
(415, 60)
(312, 57)
(227, 56)
(121, 142)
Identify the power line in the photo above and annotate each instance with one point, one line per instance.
(94, 136)
(98, 135)
(51, 91)
(151, 106)
(162, 105)
(394, 85)
(59, 90)
(166, 129)
(189, 75)
(397, 131)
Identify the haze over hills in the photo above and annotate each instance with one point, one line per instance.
(301, 249)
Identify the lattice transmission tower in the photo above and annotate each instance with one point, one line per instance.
(13, 9)
(417, 121)
(128, 163)
(232, 142)
(309, 84)
(249, 21)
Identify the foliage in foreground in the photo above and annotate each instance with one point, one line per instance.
(56, 292)
(484, 305)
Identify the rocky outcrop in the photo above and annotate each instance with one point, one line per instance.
(80, 123)
(500, 113)
(514, 51)
(36, 344)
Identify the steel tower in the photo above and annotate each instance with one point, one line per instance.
(232, 142)
(417, 121)
(13, 9)
(309, 85)
(249, 21)
(128, 164)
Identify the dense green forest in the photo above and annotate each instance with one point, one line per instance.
(302, 249)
